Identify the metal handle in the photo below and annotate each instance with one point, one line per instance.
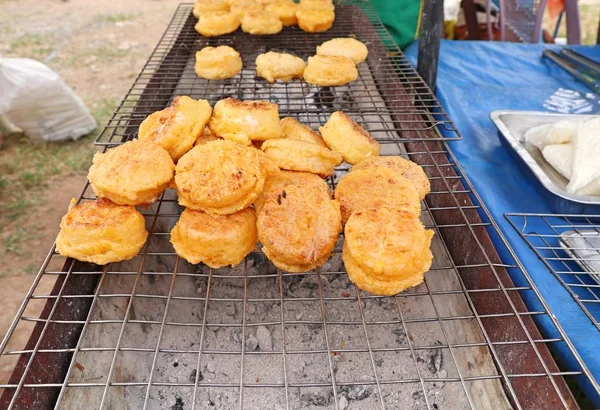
(587, 63)
(571, 69)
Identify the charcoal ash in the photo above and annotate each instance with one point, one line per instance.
(192, 376)
(322, 399)
(434, 359)
(333, 99)
(400, 335)
(343, 403)
(356, 392)
(251, 343)
(179, 404)
(236, 336)
(263, 337)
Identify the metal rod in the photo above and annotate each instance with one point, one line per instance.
(571, 69)
(432, 24)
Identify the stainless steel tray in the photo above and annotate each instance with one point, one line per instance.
(512, 126)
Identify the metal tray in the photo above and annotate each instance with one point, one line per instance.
(512, 126)
(583, 246)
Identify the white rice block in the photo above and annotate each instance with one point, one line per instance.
(585, 179)
(560, 156)
(560, 132)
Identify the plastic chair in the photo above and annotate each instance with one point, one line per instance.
(521, 20)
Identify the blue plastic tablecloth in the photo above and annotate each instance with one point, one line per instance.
(474, 79)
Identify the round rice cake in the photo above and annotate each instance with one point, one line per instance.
(294, 130)
(315, 20)
(327, 71)
(295, 155)
(406, 168)
(217, 63)
(386, 250)
(215, 240)
(317, 4)
(342, 134)
(376, 188)
(277, 181)
(217, 23)
(345, 47)
(135, 173)
(242, 7)
(279, 66)
(178, 126)
(298, 227)
(207, 6)
(245, 121)
(285, 10)
(261, 22)
(219, 177)
(101, 232)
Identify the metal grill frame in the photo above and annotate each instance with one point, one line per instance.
(165, 69)
(459, 218)
(560, 260)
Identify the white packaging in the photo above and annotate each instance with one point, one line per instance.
(37, 100)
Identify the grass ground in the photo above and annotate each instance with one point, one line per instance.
(98, 49)
(26, 168)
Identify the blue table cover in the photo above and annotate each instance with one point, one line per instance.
(474, 79)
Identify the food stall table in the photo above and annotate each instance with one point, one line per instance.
(476, 78)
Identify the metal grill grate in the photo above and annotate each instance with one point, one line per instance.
(169, 72)
(569, 246)
(156, 332)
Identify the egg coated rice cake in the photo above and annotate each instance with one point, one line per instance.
(177, 127)
(327, 71)
(376, 188)
(406, 168)
(215, 240)
(245, 121)
(101, 232)
(134, 173)
(219, 177)
(342, 134)
(295, 155)
(299, 227)
(292, 129)
(386, 250)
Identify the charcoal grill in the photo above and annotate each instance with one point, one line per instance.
(156, 332)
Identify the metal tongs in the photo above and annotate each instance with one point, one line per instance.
(579, 66)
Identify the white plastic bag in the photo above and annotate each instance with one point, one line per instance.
(37, 100)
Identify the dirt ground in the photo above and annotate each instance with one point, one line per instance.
(98, 47)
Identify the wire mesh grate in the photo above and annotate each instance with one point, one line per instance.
(157, 332)
(569, 246)
(519, 19)
(373, 96)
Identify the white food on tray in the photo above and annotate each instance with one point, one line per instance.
(586, 159)
(560, 157)
(572, 148)
(559, 132)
